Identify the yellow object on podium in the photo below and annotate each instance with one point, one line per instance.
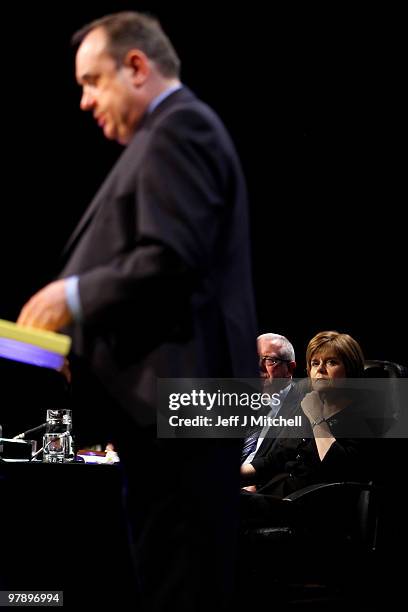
(47, 340)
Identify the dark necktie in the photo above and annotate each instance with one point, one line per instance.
(250, 444)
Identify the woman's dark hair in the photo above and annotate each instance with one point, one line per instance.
(342, 345)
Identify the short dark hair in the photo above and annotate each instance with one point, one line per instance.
(131, 30)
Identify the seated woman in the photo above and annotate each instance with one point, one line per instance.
(336, 445)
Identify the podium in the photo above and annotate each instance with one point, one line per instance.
(65, 528)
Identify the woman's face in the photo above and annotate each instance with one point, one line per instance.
(324, 367)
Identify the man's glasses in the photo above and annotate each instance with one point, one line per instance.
(271, 361)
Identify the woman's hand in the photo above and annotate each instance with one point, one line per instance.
(312, 406)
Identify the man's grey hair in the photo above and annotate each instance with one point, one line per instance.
(287, 351)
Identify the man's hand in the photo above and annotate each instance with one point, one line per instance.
(247, 471)
(312, 406)
(66, 371)
(47, 309)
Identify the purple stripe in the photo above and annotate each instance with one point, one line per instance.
(28, 353)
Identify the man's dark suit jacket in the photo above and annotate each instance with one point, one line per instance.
(163, 259)
(289, 409)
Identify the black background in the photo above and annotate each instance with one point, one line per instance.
(313, 97)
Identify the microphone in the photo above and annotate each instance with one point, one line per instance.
(23, 435)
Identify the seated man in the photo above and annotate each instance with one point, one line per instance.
(277, 365)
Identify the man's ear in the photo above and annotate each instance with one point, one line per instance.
(139, 64)
(292, 367)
